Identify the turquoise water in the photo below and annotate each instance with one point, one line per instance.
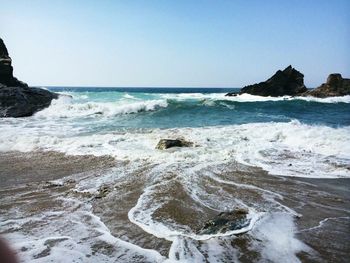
(200, 107)
(265, 132)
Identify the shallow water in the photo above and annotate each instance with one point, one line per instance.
(248, 153)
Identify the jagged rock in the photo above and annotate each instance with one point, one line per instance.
(168, 143)
(16, 98)
(286, 82)
(226, 221)
(336, 85)
(6, 69)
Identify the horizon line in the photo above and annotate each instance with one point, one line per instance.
(138, 87)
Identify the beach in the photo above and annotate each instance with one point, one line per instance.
(174, 131)
(45, 198)
(254, 179)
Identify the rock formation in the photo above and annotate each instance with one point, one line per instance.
(168, 143)
(226, 221)
(336, 85)
(16, 98)
(286, 82)
(23, 101)
(6, 69)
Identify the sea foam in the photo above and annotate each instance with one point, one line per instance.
(292, 149)
(64, 108)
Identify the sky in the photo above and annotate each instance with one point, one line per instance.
(178, 43)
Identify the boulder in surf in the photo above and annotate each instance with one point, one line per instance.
(164, 144)
(225, 222)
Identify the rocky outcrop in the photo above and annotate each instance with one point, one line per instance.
(16, 98)
(6, 69)
(23, 101)
(336, 85)
(168, 143)
(226, 221)
(287, 82)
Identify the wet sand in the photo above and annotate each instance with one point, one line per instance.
(323, 204)
(20, 168)
(324, 208)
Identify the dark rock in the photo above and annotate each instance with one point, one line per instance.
(232, 94)
(168, 143)
(16, 98)
(23, 101)
(103, 191)
(335, 86)
(287, 82)
(226, 221)
(6, 69)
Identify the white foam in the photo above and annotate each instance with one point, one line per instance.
(64, 107)
(312, 151)
(245, 97)
(275, 238)
(143, 218)
(323, 222)
(69, 236)
(291, 149)
(343, 99)
(129, 96)
(185, 250)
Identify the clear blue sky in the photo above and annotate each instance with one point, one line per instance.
(174, 43)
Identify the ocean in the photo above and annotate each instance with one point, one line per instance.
(281, 159)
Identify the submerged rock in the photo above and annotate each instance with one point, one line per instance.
(287, 82)
(226, 221)
(16, 98)
(168, 143)
(336, 85)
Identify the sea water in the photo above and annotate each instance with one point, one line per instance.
(266, 132)
(284, 136)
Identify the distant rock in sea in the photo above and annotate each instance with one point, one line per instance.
(287, 82)
(16, 98)
(335, 86)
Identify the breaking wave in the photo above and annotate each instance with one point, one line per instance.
(291, 149)
(65, 108)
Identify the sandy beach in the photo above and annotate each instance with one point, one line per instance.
(36, 167)
(40, 189)
(175, 131)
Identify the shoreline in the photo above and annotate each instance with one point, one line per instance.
(38, 166)
(323, 203)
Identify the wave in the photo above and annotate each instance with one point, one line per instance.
(290, 149)
(128, 96)
(251, 98)
(159, 183)
(81, 105)
(340, 99)
(64, 107)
